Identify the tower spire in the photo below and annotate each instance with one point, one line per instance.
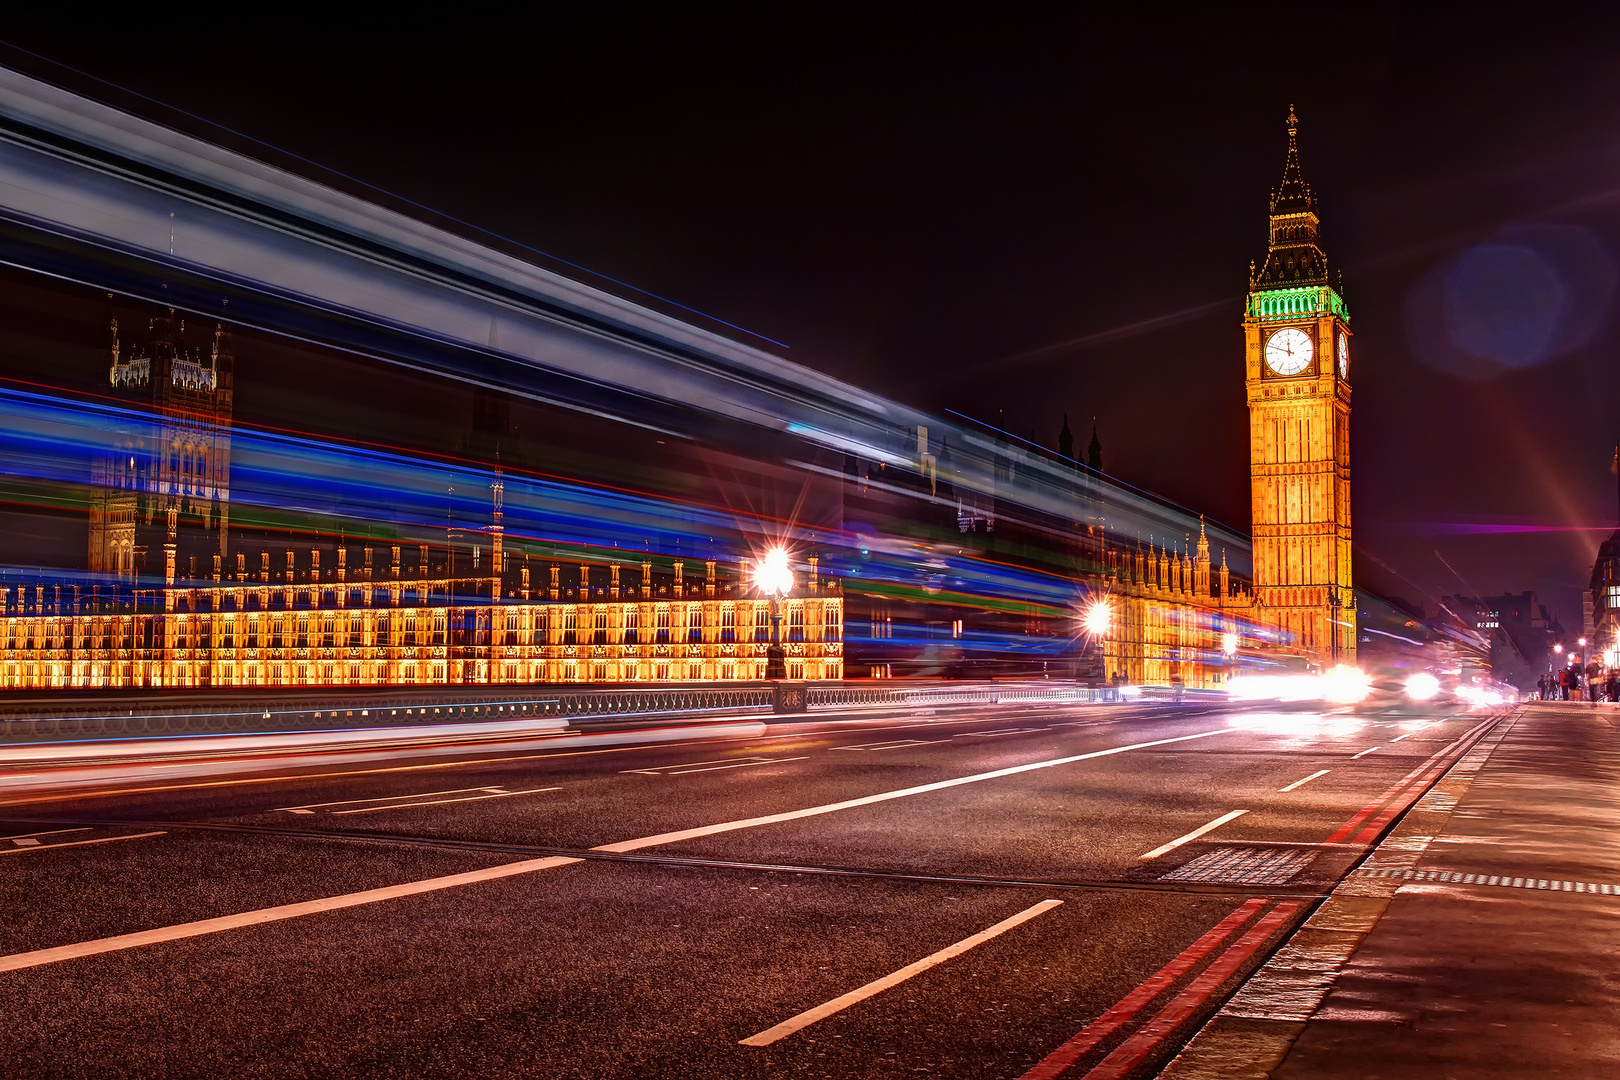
(1294, 257)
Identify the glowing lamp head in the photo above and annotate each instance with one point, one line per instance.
(1097, 618)
(1581, 642)
(1229, 644)
(772, 574)
(1558, 648)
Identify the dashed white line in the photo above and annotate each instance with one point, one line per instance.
(877, 986)
(1398, 738)
(1195, 834)
(442, 802)
(1305, 780)
(712, 766)
(898, 745)
(993, 734)
(309, 808)
(74, 843)
(1365, 752)
(47, 832)
(17, 961)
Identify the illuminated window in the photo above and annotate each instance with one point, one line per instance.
(694, 624)
(662, 630)
(762, 623)
(632, 623)
(796, 623)
(832, 628)
(728, 625)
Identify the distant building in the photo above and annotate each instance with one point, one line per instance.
(1602, 598)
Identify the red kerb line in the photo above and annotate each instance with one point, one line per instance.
(1132, 1003)
(1343, 832)
(1130, 1053)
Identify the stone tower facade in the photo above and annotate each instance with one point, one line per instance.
(160, 500)
(1297, 370)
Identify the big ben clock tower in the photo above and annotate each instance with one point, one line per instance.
(1297, 358)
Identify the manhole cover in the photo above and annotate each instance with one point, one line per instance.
(1244, 866)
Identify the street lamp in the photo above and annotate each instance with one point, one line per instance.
(774, 578)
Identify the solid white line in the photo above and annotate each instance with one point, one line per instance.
(1365, 752)
(1306, 780)
(1195, 834)
(74, 843)
(877, 986)
(47, 832)
(264, 915)
(385, 798)
(288, 911)
(441, 802)
(885, 796)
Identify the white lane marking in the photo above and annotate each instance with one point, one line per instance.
(711, 766)
(1195, 834)
(47, 832)
(1398, 738)
(17, 961)
(993, 734)
(289, 911)
(75, 843)
(899, 745)
(441, 802)
(308, 807)
(885, 796)
(1305, 780)
(1365, 752)
(24, 841)
(877, 986)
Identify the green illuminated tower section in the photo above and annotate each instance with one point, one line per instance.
(1297, 365)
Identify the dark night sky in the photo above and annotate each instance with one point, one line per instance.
(1022, 218)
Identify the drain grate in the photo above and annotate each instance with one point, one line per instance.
(1244, 866)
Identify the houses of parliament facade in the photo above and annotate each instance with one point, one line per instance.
(174, 599)
(235, 613)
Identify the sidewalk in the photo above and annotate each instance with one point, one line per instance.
(1480, 939)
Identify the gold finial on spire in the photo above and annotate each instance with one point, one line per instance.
(1293, 121)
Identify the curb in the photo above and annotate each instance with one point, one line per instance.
(1252, 1034)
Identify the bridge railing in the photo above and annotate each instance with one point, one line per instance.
(42, 719)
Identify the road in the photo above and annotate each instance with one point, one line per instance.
(962, 892)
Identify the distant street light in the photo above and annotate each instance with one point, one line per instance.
(1097, 619)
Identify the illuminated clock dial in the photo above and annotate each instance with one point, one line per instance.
(1288, 352)
(1344, 355)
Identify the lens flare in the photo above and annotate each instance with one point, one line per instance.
(772, 574)
(1421, 686)
(1229, 644)
(1097, 619)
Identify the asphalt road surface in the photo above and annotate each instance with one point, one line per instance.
(990, 891)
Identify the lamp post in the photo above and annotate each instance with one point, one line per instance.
(774, 578)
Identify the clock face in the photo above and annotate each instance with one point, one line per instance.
(1289, 351)
(1344, 355)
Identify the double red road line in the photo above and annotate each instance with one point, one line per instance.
(1406, 791)
(1183, 1005)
